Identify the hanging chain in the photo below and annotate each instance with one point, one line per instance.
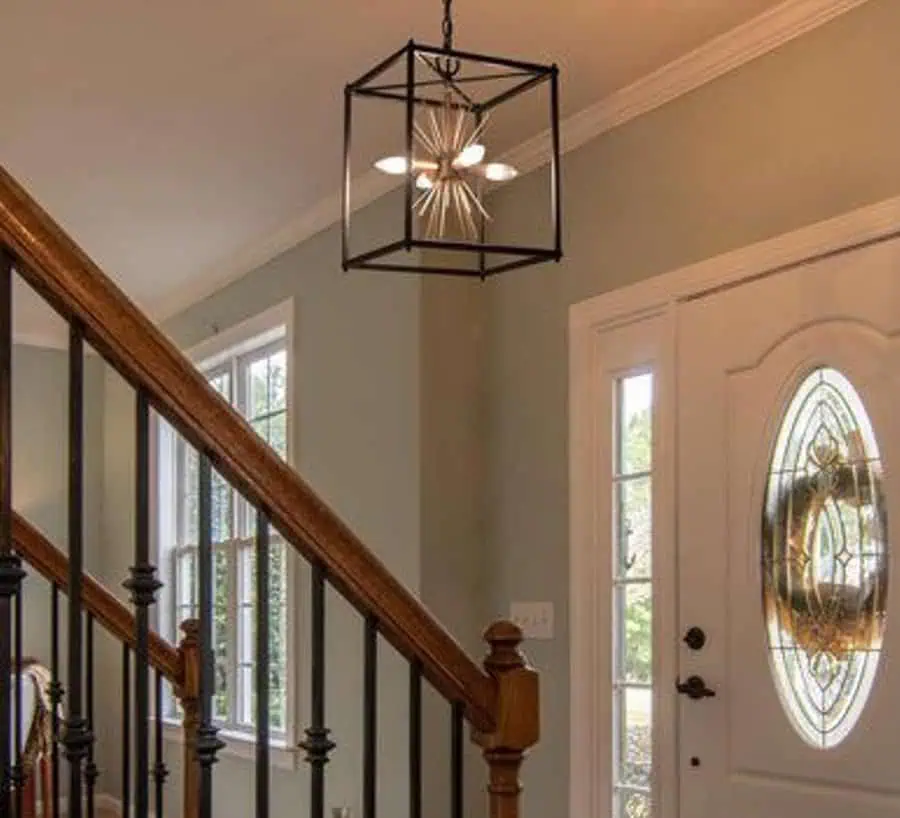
(448, 26)
(449, 67)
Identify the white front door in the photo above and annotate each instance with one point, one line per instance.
(788, 516)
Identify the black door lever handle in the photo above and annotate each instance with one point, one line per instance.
(694, 688)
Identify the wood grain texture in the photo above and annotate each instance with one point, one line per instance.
(63, 274)
(106, 609)
(188, 693)
(518, 718)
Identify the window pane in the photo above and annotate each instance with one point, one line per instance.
(278, 635)
(221, 382)
(278, 433)
(634, 524)
(635, 737)
(186, 579)
(278, 380)
(635, 427)
(261, 427)
(190, 489)
(246, 634)
(246, 627)
(636, 612)
(222, 498)
(246, 575)
(258, 398)
(221, 631)
(634, 805)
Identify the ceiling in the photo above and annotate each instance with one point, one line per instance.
(171, 138)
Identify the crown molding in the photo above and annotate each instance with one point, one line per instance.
(758, 36)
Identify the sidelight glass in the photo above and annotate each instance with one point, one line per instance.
(632, 476)
(825, 558)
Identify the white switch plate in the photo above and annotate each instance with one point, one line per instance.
(534, 618)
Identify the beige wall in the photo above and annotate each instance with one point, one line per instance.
(40, 471)
(797, 136)
(357, 442)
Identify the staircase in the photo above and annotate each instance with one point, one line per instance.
(498, 700)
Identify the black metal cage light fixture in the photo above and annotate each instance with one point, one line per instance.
(445, 106)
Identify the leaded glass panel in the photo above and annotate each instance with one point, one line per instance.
(825, 558)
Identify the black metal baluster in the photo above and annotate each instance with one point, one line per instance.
(456, 760)
(317, 742)
(415, 740)
(370, 718)
(11, 573)
(18, 772)
(143, 585)
(126, 730)
(91, 773)
(262, 665)
(56, 695)
(77, 737)
(208, 744)
(160, 771)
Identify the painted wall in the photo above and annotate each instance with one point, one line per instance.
(40, 471)
(356, 440)
(453, 579)
(798, 136)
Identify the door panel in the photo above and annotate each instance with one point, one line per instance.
(741, 354)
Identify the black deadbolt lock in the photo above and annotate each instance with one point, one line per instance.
(695, 638)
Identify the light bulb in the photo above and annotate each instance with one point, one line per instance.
(394, 165)
(498, 172)
(470, 156)
(423, 182)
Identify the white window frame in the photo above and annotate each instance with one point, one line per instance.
(602, 353)
(273, 326)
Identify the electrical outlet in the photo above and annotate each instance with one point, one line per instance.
(534, 618)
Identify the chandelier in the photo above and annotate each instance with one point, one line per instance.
(444, 105)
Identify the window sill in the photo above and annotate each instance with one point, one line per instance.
(243, 746)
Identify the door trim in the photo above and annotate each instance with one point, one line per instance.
(656, 299)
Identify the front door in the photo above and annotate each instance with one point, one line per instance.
(788, 516)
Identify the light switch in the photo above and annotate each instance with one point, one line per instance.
(534, 618)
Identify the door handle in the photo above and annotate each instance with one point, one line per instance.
(694, 688)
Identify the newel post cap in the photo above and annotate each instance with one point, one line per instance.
(517, 719)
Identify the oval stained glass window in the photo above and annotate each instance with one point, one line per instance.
(825, 558)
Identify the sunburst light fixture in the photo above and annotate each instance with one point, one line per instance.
(445, 104)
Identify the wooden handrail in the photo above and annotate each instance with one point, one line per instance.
(108, 611)
(63, 274)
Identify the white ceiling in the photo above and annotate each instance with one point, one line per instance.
(172, 137)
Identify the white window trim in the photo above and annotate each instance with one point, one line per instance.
(259, 330)
(283, 754)
(590, 324)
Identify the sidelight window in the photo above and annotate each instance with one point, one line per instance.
(633, 596)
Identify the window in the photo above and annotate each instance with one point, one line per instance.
(249, 368)
(633, 597)
(825, 558)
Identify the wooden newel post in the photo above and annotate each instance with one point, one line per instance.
(188, 693)
(517, 718)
